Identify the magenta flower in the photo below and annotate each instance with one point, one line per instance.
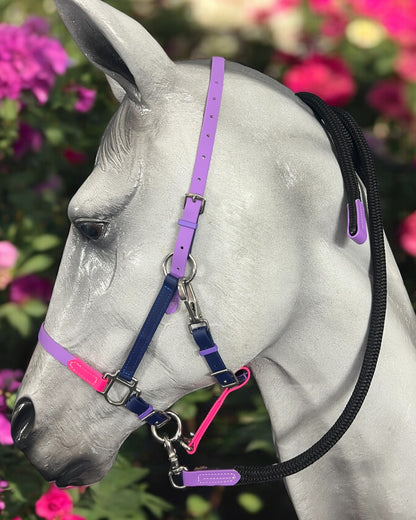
(36, 25)
(74, 157)
(389, 98)
(10, 379)
(28, 287)
(5, 431)
(85, 97)
(29, 140)
(10, 81)
(407, 234)
(54, 504)
(9, 382)
(328, 77)
(29, 60)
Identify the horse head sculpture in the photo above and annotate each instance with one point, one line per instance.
(282, 285)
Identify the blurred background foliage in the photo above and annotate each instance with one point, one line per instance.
(357, 54)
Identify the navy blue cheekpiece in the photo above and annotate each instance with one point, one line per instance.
(166, 293)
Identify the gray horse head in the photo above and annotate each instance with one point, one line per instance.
(270, 249)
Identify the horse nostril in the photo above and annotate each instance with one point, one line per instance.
(22, 421)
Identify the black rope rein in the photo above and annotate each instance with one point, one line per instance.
(354, 158)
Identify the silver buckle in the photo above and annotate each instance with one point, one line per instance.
(227, 370)
(194, 197)
(112, 379)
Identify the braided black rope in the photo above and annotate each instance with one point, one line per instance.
(354, 156)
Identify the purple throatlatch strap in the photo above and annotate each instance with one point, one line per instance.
(210, 477)
(361, 235)
(194, 199)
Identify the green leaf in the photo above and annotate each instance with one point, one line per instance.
(35, 308)
(6, 309)
(197, 506)
(35, 264)
(250, 502)
(54, 135)
(45, 242)
(20, 321)
(9, 109)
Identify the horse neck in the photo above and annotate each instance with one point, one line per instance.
(308, 375)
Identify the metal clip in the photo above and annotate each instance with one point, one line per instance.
(187, 295)
(175, 468)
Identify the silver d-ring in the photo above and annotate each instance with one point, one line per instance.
(176, 436)
(185, 279)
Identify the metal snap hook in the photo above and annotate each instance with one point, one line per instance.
(163, 438)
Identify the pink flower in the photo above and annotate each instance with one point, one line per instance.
(406, 63)
(8, 254)
(30, 286)
(74, 157)
(326, 76)
(399, 18)
(389, 98)
(53, 504)
(261, 15)
(85, 97)
(29, 140)
(407, 234)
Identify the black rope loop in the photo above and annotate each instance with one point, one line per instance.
(355, 158)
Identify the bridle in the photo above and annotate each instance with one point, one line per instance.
(354, 158)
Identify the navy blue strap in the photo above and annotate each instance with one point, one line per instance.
(169, 287)
(145, 411)
(209, 350)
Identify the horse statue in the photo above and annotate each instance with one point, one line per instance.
(286, 291)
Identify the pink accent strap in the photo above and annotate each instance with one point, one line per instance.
(194, 200)
(196, 439)
(210, 477)
(86, 372)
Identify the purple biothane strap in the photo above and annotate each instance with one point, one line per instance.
(79, 367)
(210, 477)
(361, 234)
(194, 200)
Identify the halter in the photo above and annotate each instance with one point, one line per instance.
(120, 388)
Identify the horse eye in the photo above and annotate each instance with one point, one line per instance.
(90, 229)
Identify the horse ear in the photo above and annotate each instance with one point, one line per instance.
(132, 60)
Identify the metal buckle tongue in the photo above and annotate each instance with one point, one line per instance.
(130, 385)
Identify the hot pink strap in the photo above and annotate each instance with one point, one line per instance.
(193, 445)
(194, 202)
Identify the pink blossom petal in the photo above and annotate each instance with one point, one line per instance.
(407, 234)
(53, 504)
(8, 254)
